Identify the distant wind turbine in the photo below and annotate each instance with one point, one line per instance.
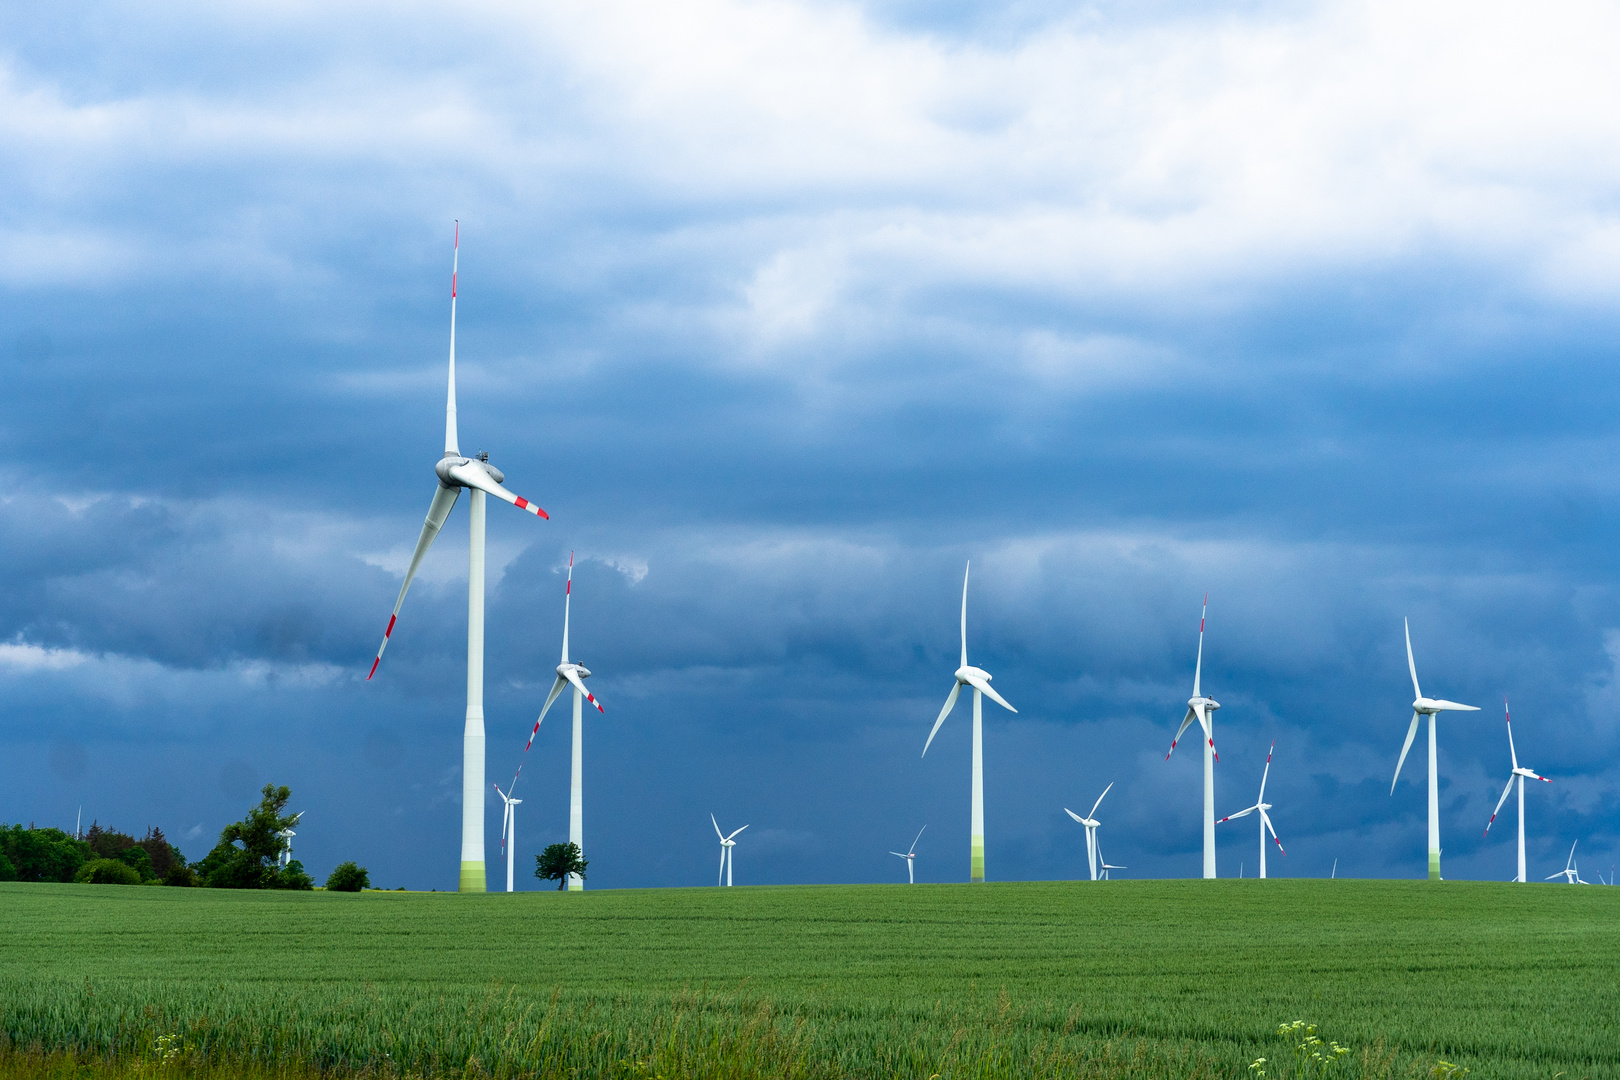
(286, 842)
(77, 822)
(726, 844)
(1571, 872)
(979, 679)
(1262, 806)
(508, 826)
(1103, 864)
(1518, 774)
(1422, 706)
(572, 674)
(1091, 823)
(910, 856)
(456, 472)
(1202, 709)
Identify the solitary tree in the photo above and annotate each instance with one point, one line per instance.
(558, 861)
(246, 855)
(348, 877)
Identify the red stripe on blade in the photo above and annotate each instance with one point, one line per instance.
(388, 633)
(522, 503)
(373, 670)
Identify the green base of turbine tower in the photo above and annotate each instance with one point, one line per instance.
(472, 877)
(575, 884)
(1434, 866)
(976, 860)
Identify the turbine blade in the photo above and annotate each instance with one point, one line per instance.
(1452, 706)
(1266, 818)
(568, 599)
(1514, 754)
(1499, 803)
(1209, 732)
(950, 703)
(919, 837)
(472, 474)
(738, 831)
(1074, 815)
(1198, 669)
(897, 855)
(1411, 733)
(1267, 773)
(1411, 665)
(556, 688)
(1240, 813)
(1185, 721)
(717, 831)
(1098, 803)
(984, 688)
(579, 685)
(443, 500)
(450, 447)
(964, 611)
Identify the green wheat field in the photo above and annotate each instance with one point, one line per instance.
(1047, 979)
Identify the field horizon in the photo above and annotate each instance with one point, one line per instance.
(1168, 977)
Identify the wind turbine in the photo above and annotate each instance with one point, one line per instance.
(572, 674)
(286, 842)
(1261, 805)
(910, 856)
(979, 679)
(1103, 864)
(1422, 706)
(726, 844)
(1091, 823)
(1518, 774)
(1571, 872)
(508, 826)
(1202, 709)
(480, 477)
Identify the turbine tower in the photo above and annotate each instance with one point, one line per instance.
(979, 679)
(508, 826)
(480, 477)
(1261, 805)
(1430, 707)
(1202, 709)
(1091, 823)
(1518, 774)
(911, 858)
(726, 844)
(572, 674)
(287, 835)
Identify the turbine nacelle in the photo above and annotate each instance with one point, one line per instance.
(967, 675)
(1208, 703)
(578, 669)
(1430, 706)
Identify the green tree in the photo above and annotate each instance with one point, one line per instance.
(245, 857)
(558, 861)
(43, 854)
(7, 871)
(292, 876)
(107, 872)
(347, 877)
(163, 855)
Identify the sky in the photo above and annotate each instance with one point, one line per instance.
(785, 311)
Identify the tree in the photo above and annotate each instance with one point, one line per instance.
(245, 857)
(164, 856)
(558, 861)
(348, 877)
(42, 854)
(107, 872)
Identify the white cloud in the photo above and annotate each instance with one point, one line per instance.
(20, 656)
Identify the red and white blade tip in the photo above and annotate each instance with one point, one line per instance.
(532, 734)
(388, 633)
(524, 504)
(592, 699)
(1268, 752)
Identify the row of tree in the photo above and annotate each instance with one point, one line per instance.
(248, 855)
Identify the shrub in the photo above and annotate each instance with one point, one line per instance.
(182, 875)
(292, 876)
(348, 878)
(107, 872)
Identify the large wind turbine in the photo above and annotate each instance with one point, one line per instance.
(1261, 805)
(1518, 774)
(911, 858)
(508, 827)
(480, 477)
(572, 674)
(1091, 823)
(1202, 709)
(287, 838)
(1422, 706)
(979, 679)
(726, 844)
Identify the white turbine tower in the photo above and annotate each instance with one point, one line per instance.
(508, 826)
(1421, 707)
(286, 842)
(1091, 823)
(910, 856)
(480, 477)
(726, 844)
(1261, 805)
(1571, 872)
(1202, 709)
(1518, 774)
(572, 674)
(979, 679)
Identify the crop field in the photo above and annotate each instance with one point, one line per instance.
(1154, 978)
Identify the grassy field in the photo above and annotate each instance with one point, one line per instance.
(1159, 978)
